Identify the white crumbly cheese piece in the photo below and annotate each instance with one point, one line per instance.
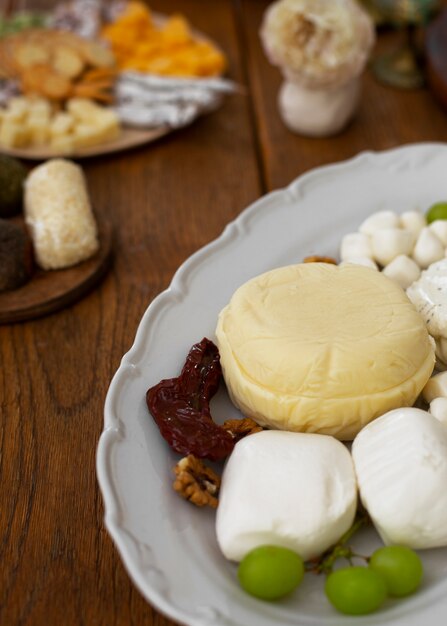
(429, 296)
(321, 348)
(428, 248)
(355, 245)
(389, 243)
(380, 221)
(59, 215)
(287, 489)
(438, 408)
(402, 270)
(436, 387)
(401, 465)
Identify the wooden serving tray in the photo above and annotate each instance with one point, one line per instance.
(128, 138)
(52, 290)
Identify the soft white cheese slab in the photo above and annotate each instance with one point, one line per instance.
(401, 465)
(429, 296)
(295, 490)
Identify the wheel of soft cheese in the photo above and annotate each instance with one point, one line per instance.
(322, 348)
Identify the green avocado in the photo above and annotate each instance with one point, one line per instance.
(12, 177)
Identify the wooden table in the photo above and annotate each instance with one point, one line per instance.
(58, 565)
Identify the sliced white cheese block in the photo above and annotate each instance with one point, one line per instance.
(429, 296)
(401, 465)
(286, 489)
(322, 348)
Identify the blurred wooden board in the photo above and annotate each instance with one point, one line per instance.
(49, 291)
(129, 138)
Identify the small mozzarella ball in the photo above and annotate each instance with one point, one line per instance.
(361, 260)
(355, 245)
(379, 221)
(402, 270)
(438, 408)
(389, 243)
(413, 221)
(436, 387)
(439, 227)
(428, 248)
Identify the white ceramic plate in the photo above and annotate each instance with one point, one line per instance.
(167, 545)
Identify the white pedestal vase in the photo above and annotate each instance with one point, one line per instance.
(318, 112)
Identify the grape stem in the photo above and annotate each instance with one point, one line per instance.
(324, 564)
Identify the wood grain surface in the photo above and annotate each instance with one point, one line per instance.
(59, 567)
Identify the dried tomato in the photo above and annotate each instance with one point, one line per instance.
(180, 406)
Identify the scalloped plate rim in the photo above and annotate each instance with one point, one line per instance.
(111, 433)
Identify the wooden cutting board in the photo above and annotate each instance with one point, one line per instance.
(49, 291)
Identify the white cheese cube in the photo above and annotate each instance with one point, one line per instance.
(295, 490)
(428, 248)
(355, 245)
(365, 261)
(379, 221)
(436, 387)
(402, 270)
(439, 227)
(401, 464)
(389, 243)
(413, 221)
(438, 408)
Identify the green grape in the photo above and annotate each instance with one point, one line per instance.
(400, 567)
(270, 572)
(437, 211)
(355, 590)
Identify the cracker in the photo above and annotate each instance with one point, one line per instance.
(67, 62)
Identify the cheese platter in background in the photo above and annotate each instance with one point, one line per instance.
(89, 82)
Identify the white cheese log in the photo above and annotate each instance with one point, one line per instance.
(59, 215)
(286, 489)
(401, 465)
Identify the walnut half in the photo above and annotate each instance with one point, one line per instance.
(196, 482)
(239, 429)
(320, 259)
